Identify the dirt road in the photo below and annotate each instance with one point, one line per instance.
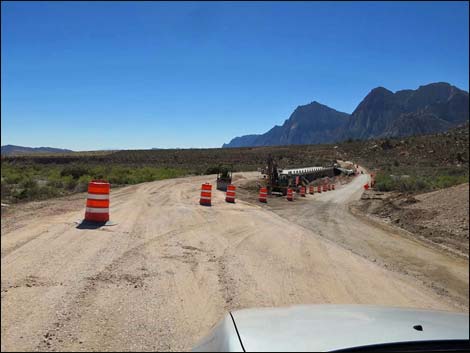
(170, 269)
(329, 215)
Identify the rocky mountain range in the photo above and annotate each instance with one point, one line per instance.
(9, 150)
(429, 109)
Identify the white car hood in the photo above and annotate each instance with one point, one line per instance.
(333, 327)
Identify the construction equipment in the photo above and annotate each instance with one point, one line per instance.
(224, 177)
(279, 180)
(275, 184)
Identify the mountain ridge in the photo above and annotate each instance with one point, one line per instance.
(8, 150)
(430, 108)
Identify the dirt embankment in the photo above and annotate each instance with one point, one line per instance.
(439, 217)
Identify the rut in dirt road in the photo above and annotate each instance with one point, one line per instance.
(170, 269)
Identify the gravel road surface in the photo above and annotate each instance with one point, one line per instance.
(170, 269)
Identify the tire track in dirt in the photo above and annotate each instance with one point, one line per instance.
(170, 269)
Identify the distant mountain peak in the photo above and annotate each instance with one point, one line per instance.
(18, 150)
(312, 121)
(383, 113)
(436, 84)
(430, 108)
(314, 106)
(380, 90)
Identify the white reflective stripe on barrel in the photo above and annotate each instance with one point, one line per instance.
(97, 210)
(205, 198)
(98, 196)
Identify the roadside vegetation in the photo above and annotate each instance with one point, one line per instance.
(410, 165)
(416, 184)
(34, 181)
(420, 163)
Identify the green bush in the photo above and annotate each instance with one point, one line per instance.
(82, 183)
(212, 170)
(99, 172)
(385, 182)
(445, 181)
(119, 175)
(75, 171)
(13, 178)
(28, 183)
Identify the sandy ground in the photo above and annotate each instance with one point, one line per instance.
(440, 218)
(170, 268)
(329, 215)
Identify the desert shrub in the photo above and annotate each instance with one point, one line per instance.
(28, 183)
(13, 177)
(29, 190)
(412, 184)
(99, 171)
(119, 175)
(384, 182)
(212, 170)
(75, 171)
(144, 174)
(65, 182)
(82, 183)
(445, 181)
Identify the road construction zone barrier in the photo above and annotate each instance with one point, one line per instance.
(230, 194)
(329, 187)
(263, 195)
(325, 188)
(332, 186)
(206, 194)
(319, 189)
(97, 203)
(311, 189)
(302, 191)
(290, 195)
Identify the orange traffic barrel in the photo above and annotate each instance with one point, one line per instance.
(97, 203)
(332, 186)
(311, 189)
(263, 195)
(329, 187)
(319, 189)
(230, 194)
(206, 194)
(290, 195)
(325, 188)
(302, 191)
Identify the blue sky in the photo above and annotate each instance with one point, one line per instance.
(97, 75)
